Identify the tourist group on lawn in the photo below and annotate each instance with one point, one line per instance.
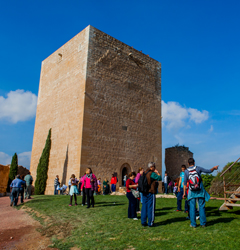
(141, 189)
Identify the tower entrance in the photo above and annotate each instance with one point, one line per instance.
(125, 171)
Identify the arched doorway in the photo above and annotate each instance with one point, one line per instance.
(125, 171)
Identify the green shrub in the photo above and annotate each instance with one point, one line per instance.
(42, 169)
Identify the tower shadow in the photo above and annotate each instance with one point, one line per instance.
(65, 166)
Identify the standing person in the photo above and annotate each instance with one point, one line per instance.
(23, 186)
(180, 192)
(83, 192)
(196, 191)
(90, 184)
(15, 185)
(124, 180)
(69, 184)
(170, 184)
(80, 184)
(99, 185)
(73, 190)
(28, 190)
(105, 187)
(166, 182)
(56, 184)
(130, 184)
(140, 172)
(148, 198)
(113, 183)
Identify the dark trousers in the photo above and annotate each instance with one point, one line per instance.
(113, 187)
(165, 188)
(138, 205)
(14, 195)
(132, 205)
(75, 198)
(83, 196)
(179, 201)
(148, 209)
(21, 191)
(90, 197)
(55, 190)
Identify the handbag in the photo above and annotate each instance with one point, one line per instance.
(135, 193)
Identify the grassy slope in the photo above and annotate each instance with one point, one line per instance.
(107, 227)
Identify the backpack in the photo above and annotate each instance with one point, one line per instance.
(194, 179)
(143, 186)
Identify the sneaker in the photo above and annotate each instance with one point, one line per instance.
(70, 205)
(197, 217)
(187, 218)
(11, 203)
(75, 204)
(203, 226)
(139, 212)
(82, 205)
(192, 226)
(135, 218)
(153, 225)
(144, 225)
(178, 210)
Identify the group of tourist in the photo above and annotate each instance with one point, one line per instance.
(189, 187)
(21, 185)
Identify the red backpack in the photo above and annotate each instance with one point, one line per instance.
(194, 179)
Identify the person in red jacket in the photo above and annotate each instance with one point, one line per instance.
(113, 183)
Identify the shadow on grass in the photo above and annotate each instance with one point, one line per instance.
(219, 220)
(173, 220)
(160, 213)
(110, 205)
(165, 208)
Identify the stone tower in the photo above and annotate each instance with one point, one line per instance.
(175, 157)
(102, 99)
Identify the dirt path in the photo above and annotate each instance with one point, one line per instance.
(18, 229)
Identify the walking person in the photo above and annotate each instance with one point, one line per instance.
(130, 184)
(90, 184)
(196, 191)
(21, 191)
(73, 190)
(166, 182)
(113, 183)
(15, 186)
(180, 192)
(28, 190)
(148, 196)
(56, 184)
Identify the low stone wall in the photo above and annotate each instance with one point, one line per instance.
(4, 173)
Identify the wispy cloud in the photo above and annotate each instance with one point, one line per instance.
(23, 159)
(211, 129)
(175, 115)
(18, 106)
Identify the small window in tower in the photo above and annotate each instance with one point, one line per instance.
(59, 57)
(124, 127)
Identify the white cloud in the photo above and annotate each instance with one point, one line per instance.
(5, 159)
(175, 116)
(211, 129)
(18, 106)
(23, 159)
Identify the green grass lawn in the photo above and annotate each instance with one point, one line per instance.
(107, 227)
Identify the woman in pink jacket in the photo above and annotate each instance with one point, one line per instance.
(89, 182)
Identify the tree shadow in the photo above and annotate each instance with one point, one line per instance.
(65, 166)
(173, 220)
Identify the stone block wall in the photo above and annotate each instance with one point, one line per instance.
(4, 175)
(175, 157)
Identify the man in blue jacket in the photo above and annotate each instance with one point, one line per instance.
(16, 185)
(196, 191)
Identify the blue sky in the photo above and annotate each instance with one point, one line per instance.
(197, 43)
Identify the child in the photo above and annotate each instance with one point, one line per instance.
(73, 190)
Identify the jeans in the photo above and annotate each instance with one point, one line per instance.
(165, 188)
(14, 195)
(179, 201)
(202, 214)
(113, 187)
(124, 183)
(21, 191)
(90, 196)
(28, 191)
(148, 209)
(132, 205)
(55, 190)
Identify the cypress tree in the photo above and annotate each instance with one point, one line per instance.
(13, 170)
(42, 169)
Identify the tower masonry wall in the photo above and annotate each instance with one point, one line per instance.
(175, 157)
(122, 117)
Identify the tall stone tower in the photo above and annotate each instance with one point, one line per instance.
(175, 157)
(102, 99)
